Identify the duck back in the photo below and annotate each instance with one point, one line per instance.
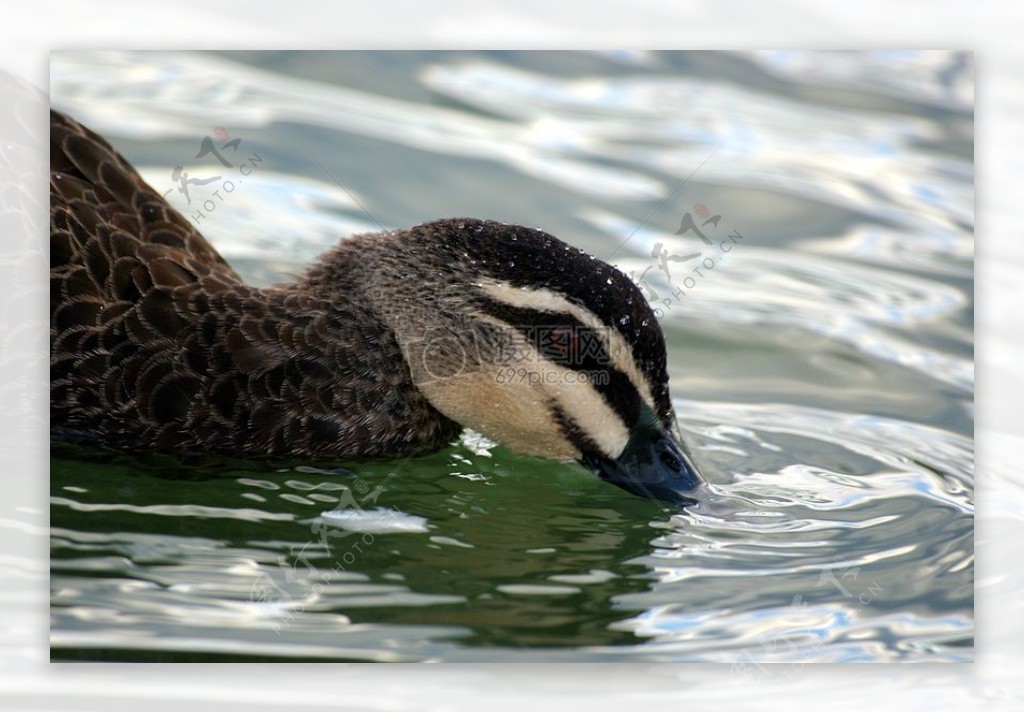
(156, 341)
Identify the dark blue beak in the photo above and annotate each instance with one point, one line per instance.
(652, 465)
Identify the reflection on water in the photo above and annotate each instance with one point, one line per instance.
(823, 368)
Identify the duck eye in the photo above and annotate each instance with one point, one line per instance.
(563, 337)
(560, 343)
(668, 456)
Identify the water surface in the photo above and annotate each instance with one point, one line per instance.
(822, 366)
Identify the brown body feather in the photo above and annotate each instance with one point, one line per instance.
(156, 342)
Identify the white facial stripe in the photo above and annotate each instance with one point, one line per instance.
(578, 399)
(583, 403)
(550, 301)
(508, 402)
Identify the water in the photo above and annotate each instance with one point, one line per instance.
(822, 365)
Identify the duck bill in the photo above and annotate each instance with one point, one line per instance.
(652, 465)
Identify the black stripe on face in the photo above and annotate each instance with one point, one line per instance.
(562, 339)
(587, 447)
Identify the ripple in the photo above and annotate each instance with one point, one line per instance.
(939, 78)
(537, 590)
(945, 457)
(834, 547)
(206, 88)
(199, 511)
(829, 532)
(856, 159)
(375, 521)
(869, 308)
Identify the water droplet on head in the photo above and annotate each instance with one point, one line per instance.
(608, 281)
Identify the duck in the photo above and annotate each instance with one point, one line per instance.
(389, 346)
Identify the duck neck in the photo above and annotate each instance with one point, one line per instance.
(350, 367)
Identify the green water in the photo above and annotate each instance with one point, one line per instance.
(823, 368)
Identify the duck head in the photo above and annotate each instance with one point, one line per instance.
(531, 342)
